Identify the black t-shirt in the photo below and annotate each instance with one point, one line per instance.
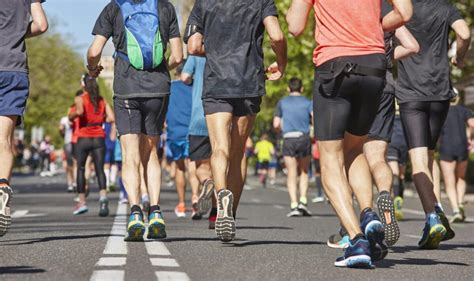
(128, 81)
(453, 138)
(388, 36)
(233, 35)
(425, 76)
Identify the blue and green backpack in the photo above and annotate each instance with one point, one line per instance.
(142, 29)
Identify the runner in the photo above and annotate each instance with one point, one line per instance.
(264, 150)
(349, 81)
(110, 167)
(141, 90)
(21, 19)
(320, 197)
(380, 134)
(199, 144)
(423, 92)
(177, 119)
(92, 112)
(234, 84)
(65, 129)
(454, 145)
(293, 118)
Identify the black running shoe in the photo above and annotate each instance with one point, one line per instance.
(295, 212)
(387, 215)
(104, 207)
(303, 208)
(6, 195)
(374, 232)
(449, 231)
(225, 223)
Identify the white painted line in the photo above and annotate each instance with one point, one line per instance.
(115, 244)
(112, 262)
(156, 248)
(421, 213)
(108, 275)
(19, 213)
(412, 236)
(255, 200)
(164, 262)
(171, 276)
(280, 207)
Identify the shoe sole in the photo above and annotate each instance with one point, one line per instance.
(449, 231)
(305, 213)
(392, 230)
(374, 231)
(156, 231)
(197, 215)
(436, 235)
(135, 233)
(81, 212)
(360, 261)
(204, 202)
(225, 224)
(6, 195)
(104, 212)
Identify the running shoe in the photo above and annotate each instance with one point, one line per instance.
(303, 208)
(318, 199)
(374, 232)
(433, 233)
(212, 218)
(156, 226)
(356, 255)
(398, 206)
(70, 188)
(104, 207)
(456, 218)
(444, 220)
(295, 212)
(387, 214)
(225, 223)
(204, 202)
(80, 209)
(135, 227)
(336, 241)
(6, 195)
(180, 210)
(196, 215)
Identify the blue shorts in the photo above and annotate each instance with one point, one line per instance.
(109, 156)
(177, 150)
(14, 90)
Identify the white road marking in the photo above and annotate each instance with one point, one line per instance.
(112, 262)
(412, 236)
(156, 248)
(115, 244)
(108, 275)
(164, 262)
(255, 200)
(171, 276)
(421, 213)
(24, 214)
(280, 207)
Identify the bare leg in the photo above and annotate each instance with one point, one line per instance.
(180, 180)
(152, 167)
(291, 178)
(143, 186)
(461, 185)
(193, 180)
(375, 151)
(131, 166)
(436, 175)
(303, 167)
(422, 177)
(450, 182)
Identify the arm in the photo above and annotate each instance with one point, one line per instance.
(176, 56)
(113, 132)
(408, 44)
(297, 16)
(277, 124)
(278, 43)
(62, 129)
(39, 23)
(79, 109)
(187, 78)
(463, 40)
(94, 54)
(401, 14)
(194, 31)
(109, 114)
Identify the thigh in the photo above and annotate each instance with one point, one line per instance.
(128, 117)
(246, 106)
(83, 148)
(98, 152)
(218, 125)
(240, 131)
(153, 115)
(461, 168)
(415, 120)
(437, 115)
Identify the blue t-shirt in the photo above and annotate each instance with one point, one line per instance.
(179, 111)
(295, 112)
(195, 66)
(109, 144)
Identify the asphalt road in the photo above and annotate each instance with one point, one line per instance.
(46, 242)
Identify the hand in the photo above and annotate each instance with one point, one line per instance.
(457, 63)
(95, 72)
(275, 71)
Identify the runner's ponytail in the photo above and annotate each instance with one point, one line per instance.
(92, 87)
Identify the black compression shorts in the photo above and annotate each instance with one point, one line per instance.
(423, 121)
(352, 104)
(199, 148)
(237, 106)
(382, 127)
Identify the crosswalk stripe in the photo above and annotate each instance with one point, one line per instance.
(108, 275)
(171, 276)
(19, 213)
(115, 244)
(112, 262)
(164, 262)
(156, 248)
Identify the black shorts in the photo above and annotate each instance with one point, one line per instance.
(297, 147)
(140, 115)
(68, 152)
(237, 106)
(263, 165)
(397, 153)
(423, 122)
(199, 148)
(382, 127)
(453, 157)
(73, 150)
(352, 103)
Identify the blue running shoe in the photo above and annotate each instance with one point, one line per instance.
(444, 220)
(336, 241)
(80, 209)
(433, 233)
(156, 226)
(374, 231)
(356, 255)
(135, 227)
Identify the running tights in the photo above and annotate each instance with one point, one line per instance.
(95, 147)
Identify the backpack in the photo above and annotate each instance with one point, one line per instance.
(142, 28)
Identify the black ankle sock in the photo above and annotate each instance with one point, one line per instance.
(213, 211)
(155, 208)
(136, 208)
(357, 237)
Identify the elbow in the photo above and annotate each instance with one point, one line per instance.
(43, 27)
(94, 53)
(295, 30)
(178, 59)
(194, 49)
(405, 14)
(414, 49)
(465, 36)
(278, 38)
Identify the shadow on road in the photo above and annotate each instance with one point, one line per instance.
(265, 227)
(270, 242)
(405, 249)
(52, 238)
(388, 263)
(20, 270)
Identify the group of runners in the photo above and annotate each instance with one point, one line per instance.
(353, 109)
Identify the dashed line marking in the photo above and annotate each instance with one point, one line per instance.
(156, 248)
(19, 213)
(108, 275)
(112, 262)
(164, 262)
(280, 207)
(171, 276)
(255, 200)
(115, 244)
